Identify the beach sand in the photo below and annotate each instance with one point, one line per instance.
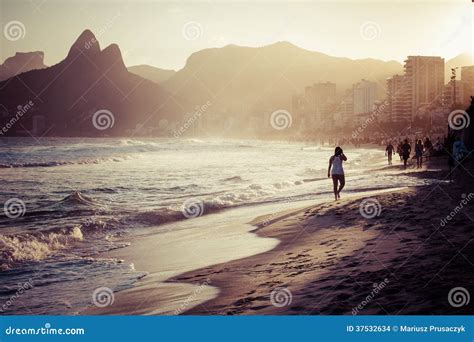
(332, 260)
(327, 259)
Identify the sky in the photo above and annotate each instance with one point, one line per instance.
(165, 33)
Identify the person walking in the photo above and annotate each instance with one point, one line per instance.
(406, 150)
(419, 154)
(388, 152)
(336, 171)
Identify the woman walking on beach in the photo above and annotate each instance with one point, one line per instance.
(336, 170)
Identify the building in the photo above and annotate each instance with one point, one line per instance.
(364, 95)
(318, 99)
(315, 106)
(463, 94)
(467, 75)
(397, 109)
(344, 112)
(424, 79)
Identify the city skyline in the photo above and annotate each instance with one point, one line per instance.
(164, 35)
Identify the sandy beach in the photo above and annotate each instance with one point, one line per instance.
(398, 255)
(331, 258)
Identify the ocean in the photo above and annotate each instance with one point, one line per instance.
(68, 200)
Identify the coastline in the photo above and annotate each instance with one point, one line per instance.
(331, 260)
(324, 258)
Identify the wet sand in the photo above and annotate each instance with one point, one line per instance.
(219, 239)
(326, 258)
(332, 260)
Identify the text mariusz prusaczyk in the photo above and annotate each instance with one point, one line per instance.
(433, 329)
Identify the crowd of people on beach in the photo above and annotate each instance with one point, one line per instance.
(451, 146)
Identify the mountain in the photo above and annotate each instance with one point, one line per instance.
(461, 60)
(246, 80)
(21, 62)
(65, 97)
(151, 73)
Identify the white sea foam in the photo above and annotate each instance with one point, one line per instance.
(20, 248)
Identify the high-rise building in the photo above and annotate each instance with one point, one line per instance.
(364, 96)
(344, 111)
(463, 93)
(315, 105)
(424, 77)
(467, 75)
(318, 100)
(398, 109)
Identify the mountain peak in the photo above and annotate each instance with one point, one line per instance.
(86, 42)
(111, 57)
(284, 44)
(21, 62)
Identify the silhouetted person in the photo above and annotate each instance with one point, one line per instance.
(388, 152)
(406, 150)
(336, 170)
(419, 154)
(428, 148)
(399, 150)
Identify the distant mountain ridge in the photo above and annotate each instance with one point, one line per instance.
(245, 80)
(21, 62)
(151, 73)
(240, 82)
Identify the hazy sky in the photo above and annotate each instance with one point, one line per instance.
(165, 33)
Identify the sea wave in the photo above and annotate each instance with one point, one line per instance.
(19, 248)
(63, 162)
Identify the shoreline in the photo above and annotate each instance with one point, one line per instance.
(317, 250)
(157, 291)
(331, 260)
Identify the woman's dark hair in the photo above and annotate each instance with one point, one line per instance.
(338, 151)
